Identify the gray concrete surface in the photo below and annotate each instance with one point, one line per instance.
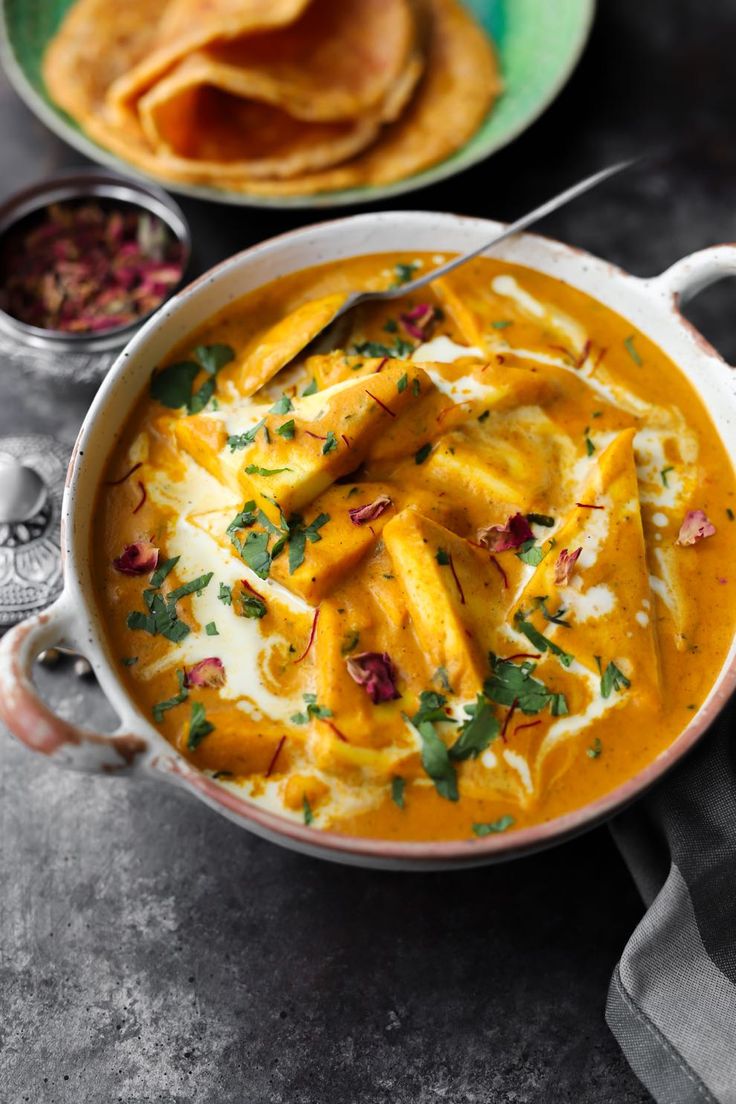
(152, 952)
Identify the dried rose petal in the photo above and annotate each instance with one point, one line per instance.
(695, 527)
(499, 538)
(140, 558)
(360, 515)
(417, 321)
(375, 672)
(565, 566)
(208, 672)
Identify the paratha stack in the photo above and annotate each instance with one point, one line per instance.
(274, 97)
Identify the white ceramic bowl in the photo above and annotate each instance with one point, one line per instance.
(652, 307)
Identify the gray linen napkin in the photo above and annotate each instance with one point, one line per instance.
(672, 999)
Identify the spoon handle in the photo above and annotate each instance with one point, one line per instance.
(513, 228)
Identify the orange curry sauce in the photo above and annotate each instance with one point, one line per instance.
(500, 408)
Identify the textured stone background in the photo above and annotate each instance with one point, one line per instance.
(150, 951)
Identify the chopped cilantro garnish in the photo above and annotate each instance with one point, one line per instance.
(729, 513)
(541, 519)
(162, 707)
(589, 446)
(313, 710)
(403, 273)
(664, 473)
(173, 385)
(595, 749)
(376, 349)
(633, 351)
(350, 642)
(441, 676)
(311, 388)
(555, 618)
(253, 469)
(442, 557)
(436, 762)
(199, 726)
(194, 587)
(501, 323)
(253, 605)
(421, 454)
(510, 682)
(330, 443)
(482, 417)
(287, 430)
(254, 550)
(477, 732)
(540, 641)
(129, 661)
(307, 810)
(492, 827)
(416, 387)
(211, 629)
(402, 384)
(163, 570)
(612, 678)
(225, 594)
(391, 326)
(398, 786)
(161, 619)
(532, 553)
(282, 405)
(430, 708)
(241, 440)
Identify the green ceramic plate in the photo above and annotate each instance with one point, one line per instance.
(538, 41)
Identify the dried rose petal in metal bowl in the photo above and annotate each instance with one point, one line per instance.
(88, 266)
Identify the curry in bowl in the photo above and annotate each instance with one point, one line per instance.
(464, 574)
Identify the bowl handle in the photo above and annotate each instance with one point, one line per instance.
(692, 274)
(33, 723)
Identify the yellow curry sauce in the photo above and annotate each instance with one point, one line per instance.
(432, 584)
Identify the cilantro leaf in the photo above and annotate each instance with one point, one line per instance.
(282, 405)
(163, 570)
(211, 629)
(241, 440)
(612, 679)
(193, 587)
(510, 682)
(398, 785)
(553, 618)
(633, 351)
(540, 519)
(287, 430)
(254, 551)
(172, 386)
(199, 726)
(431, 708)
(313, 710)
(254, 469)
(540, 641)
(595, 749)
(421, 454)
(253, 605)
(531, 553)
(664, 473)
(501, 324)
(375, 349)
(442, 557)
(491, 827)
(162, 707)
(307, 810)
(404, 272)
(214, 357)
(330, 443)
(477, 732)
(437, 763)
(403, 383)
(225, 594)
(311, 388)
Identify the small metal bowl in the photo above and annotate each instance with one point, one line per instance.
(67, 355)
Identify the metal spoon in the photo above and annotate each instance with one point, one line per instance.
(401, 290)
(22, 493)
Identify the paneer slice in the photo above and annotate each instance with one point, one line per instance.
(453, 594)
(205, 439)
(498, 476)
(333, 432)
(469, 323)
(608, 602)
(340, 366)
(268, 353)
(341, 545)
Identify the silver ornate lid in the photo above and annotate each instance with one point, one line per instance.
(32, 474)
